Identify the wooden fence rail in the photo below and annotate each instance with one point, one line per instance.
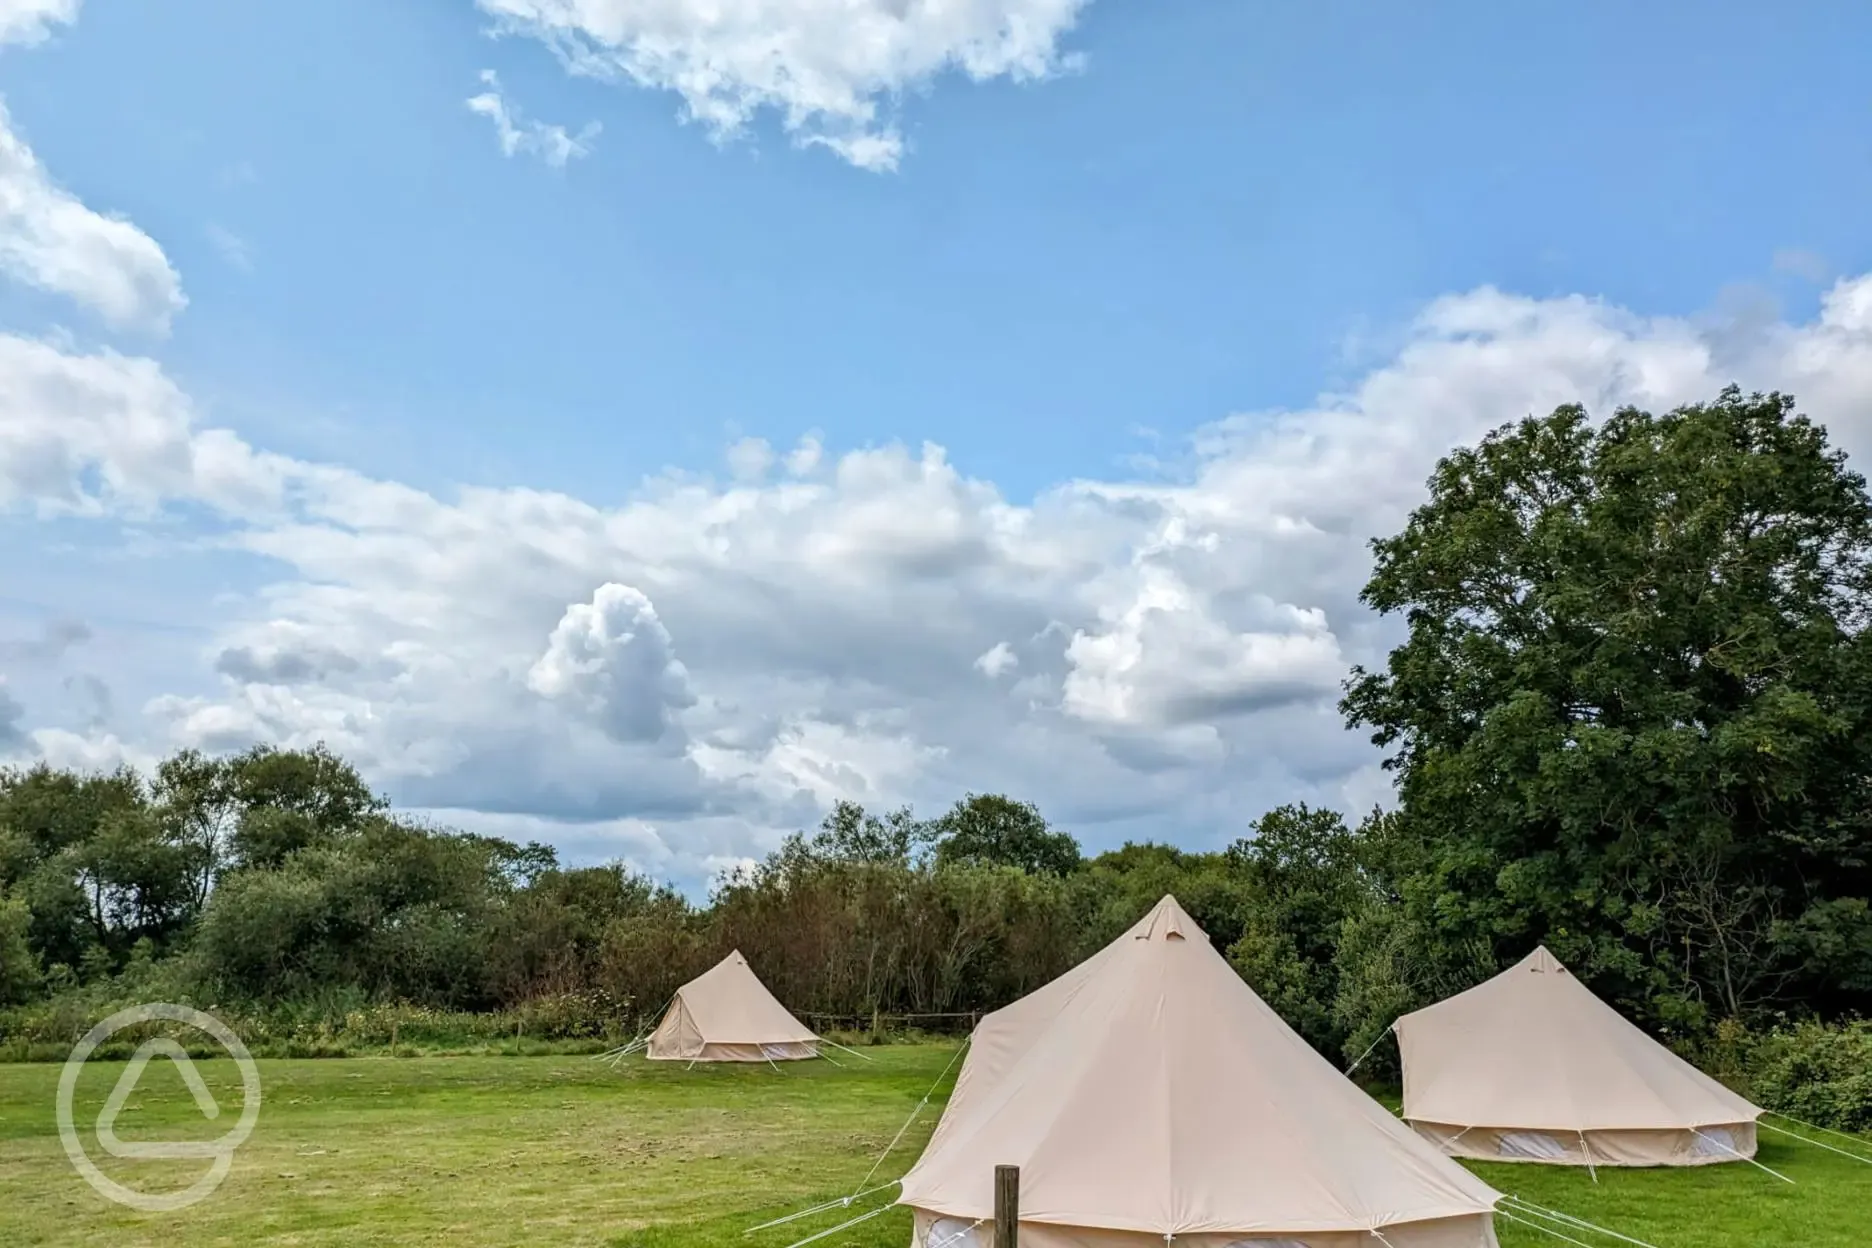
(952, 1021)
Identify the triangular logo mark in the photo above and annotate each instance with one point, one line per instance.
(127, 1083)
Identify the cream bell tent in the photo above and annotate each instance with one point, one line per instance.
(727, 1015)
(1531, 1066)
(1150, 1098)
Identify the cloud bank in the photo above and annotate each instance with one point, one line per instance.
(683, 676)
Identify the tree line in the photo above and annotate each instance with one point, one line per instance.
(1631, 718)
(277, 876)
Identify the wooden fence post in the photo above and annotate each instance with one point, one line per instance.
(1007, 1207)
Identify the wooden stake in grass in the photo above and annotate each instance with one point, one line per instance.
(1007, 1207)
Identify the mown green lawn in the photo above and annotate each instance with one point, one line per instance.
(565, 1151)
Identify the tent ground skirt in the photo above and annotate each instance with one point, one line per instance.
(1691, 1146)
(732, 1052)
(932, 1230)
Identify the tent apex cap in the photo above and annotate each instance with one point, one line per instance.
(1169, 921)
(1543, 961)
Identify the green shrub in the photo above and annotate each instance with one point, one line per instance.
(1815, 1073)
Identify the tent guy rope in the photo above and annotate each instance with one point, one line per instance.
(1545, 1230)
(1816, 1143)
(861, 1191)
(946, 1240)
(920, 1107)
(845, 1049)
(1567, 1219)
(1732, 1152)
(1373, 1048)
(1860, 1140)
(843, 1226)
(642, 1038)
(837, 1202)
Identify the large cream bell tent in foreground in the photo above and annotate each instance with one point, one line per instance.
(1149, 1097)
(1531, 1066)
(727, 1015)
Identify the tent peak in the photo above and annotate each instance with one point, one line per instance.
(1542, 962)
(1167, 921)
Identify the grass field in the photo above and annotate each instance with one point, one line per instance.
(567, 1152)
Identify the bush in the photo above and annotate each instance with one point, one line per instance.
(331, 1023)
(1815, 1073)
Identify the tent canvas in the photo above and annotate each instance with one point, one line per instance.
(727, 1015)
(1149, 1093)
(1531, 1066)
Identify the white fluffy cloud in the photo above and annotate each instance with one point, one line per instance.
(104, 432)
(1138, 656)
(824, 68)
(50, 240)
(517, 134)
(611, 659)
(30, 21)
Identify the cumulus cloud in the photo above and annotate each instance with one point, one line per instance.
(1141, 657)
(612, 660)
(48, 239)
(90, 433)
(517, 134)
(825, 70)
(28, 22)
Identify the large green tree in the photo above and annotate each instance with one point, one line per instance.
(94, 872)
(1632, 717)
(989, 829)
(1304, 879)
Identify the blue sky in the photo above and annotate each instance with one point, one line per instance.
(1192, 225)
(1206, 209)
